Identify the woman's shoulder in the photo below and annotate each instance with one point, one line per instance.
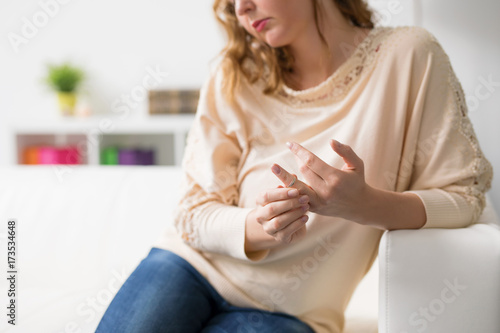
(215, 72)
(219, 73)
(214, 81)
(411, 40)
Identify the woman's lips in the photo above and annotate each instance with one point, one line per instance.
(260, 25)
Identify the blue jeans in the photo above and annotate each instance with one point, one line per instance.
(166, 294)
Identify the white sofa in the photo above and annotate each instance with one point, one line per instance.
(82, 230)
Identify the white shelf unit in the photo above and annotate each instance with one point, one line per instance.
(166, 134)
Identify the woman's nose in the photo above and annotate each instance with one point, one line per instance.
(242, 7)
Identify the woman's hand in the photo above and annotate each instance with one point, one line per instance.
(280, 212)
(332, 192)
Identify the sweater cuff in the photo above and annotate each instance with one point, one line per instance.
(444, 209)
(230, 236)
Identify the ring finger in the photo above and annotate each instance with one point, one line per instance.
(287, 178)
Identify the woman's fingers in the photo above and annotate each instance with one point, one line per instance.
(277, 208)
(287, 234)
(351, 159)
(309, 160)
(281, 212)
(297, 229)
(283, 226)
(287, 178)
(277, 194)
(310, 176)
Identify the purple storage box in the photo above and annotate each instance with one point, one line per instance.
(127, 157)
(136, 157)
(146, 156)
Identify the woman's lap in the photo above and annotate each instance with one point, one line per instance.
(241, 320)
(166, 294)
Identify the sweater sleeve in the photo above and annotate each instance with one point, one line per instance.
(207, 217)
(449, 173)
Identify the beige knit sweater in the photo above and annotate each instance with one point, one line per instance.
(396, 102)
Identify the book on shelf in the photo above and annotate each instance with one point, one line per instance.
(173, 101)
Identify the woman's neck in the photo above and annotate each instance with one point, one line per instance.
(313, 62)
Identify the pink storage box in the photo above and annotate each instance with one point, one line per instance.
(48, 155)
(69, 155)
(58, 155)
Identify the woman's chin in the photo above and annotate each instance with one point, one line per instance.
(275, 38)
(275, 43)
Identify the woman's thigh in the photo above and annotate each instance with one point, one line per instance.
(163, 294)
(242, 320)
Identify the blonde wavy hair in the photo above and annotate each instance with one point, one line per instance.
(272, 62)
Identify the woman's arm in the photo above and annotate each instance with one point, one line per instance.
(344, 193)
(208, 217)
(392, 210)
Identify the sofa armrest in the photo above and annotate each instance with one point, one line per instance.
(441, 280)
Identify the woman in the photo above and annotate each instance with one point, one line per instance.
(315, 132)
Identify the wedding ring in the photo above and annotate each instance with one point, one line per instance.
(293, 181)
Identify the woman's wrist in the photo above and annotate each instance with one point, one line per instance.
(256, 239)
(389, 210)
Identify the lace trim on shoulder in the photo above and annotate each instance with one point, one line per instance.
(479, 175)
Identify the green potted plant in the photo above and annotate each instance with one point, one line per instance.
(65, 79)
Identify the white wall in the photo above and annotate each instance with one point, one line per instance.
(116, 41)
